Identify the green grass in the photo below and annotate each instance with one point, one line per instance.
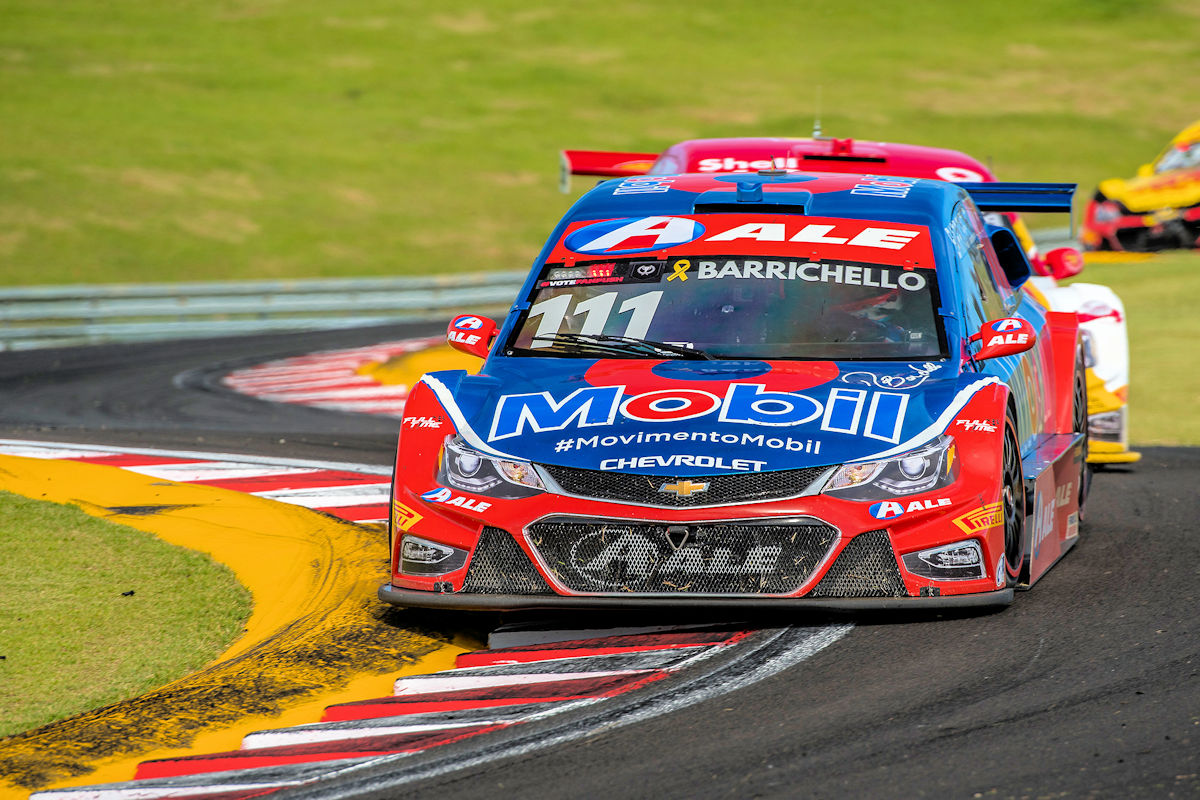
(190, 139)
(1160, 304)
(71, 637)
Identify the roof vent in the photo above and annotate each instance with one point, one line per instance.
(751, 197)
(749, 192)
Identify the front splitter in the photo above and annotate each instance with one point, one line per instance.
(513, 602)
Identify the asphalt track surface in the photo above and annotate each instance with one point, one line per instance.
(1087, 686)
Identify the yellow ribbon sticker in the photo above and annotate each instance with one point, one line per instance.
(681, 267)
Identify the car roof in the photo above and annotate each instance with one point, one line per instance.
(890, 198)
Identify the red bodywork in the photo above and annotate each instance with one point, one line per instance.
(966, 510)
(750, 154)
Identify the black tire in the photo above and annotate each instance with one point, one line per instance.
(1079, 399)
(1012, 503)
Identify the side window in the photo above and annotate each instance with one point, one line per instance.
(982, 298)
(993, 301)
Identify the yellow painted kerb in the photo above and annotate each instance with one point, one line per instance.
(316, 635)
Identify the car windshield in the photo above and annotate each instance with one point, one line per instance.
(734, 307)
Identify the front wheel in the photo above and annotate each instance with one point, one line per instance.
(1012, 503)
(1081, 427)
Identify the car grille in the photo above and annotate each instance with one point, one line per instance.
(866, 567)
(645, 490)
(499, 566)
(745, 557)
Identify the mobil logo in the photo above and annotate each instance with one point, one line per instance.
(468, 323)
(633, 235)
(1005, 325)
(855, 412)
(888, 509)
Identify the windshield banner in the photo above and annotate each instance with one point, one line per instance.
(783, 235)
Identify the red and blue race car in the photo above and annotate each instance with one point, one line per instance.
(1101, 312)
(822, 390)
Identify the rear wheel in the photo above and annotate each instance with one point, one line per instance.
(1012, 502)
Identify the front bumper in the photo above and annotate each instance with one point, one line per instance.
(1111, 453)
(508, 602)
(1165, 229)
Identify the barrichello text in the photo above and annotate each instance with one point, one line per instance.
(854, 412)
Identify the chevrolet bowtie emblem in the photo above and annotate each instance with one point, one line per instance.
(684, 488)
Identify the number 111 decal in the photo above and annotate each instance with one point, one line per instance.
(596, 312)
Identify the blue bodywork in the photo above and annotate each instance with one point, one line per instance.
(543, 409)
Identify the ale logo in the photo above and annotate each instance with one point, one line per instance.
(468, 323)
(633, 235)
(888, 509)
(437, 495)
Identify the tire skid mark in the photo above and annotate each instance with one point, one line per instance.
(370, 742)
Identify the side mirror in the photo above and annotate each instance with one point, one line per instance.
(1004, 337)
(1064, 262)
(470, 334)
(1145, 171)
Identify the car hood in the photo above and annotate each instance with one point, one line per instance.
(1175, 189)
(690, 418)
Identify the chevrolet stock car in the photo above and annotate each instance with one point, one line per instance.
(1101, 312)
(1157, 210)
(817, 390)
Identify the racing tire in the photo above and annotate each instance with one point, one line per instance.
(1012, 503)
(1079, 400)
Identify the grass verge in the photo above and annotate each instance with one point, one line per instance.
(184, 140)
(93, 612)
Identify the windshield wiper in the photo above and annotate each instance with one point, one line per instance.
(605, 343)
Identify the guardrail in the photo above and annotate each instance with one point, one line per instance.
(53, 316)
(56, 316)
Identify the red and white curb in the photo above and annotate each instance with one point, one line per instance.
(489, 692)
(353, 492)
(331, 379)
(533, 690)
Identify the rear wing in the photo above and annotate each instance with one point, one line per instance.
(1018, 197)
(1012, 198)
(605, 163)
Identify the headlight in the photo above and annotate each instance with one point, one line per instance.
(467, 469)
(1089, 349)
(952, 562)
(1108, 426)
(931, 466)
(423, 557)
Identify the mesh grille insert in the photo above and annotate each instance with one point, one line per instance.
(866, 567)
(499, 566)
(774, 557)
(742, 487)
